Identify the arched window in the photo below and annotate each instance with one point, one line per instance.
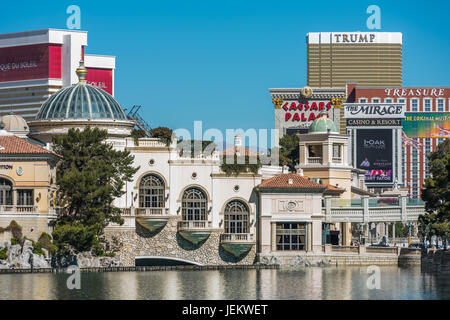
(194, 205)
(236, 217)
(5, 192)
(151, 192)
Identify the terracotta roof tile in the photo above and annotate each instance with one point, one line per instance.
(297, 182)
(16, 145)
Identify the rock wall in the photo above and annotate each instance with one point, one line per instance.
(433, 260)
(168, 243)
(19, 257)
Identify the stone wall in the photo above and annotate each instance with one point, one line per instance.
(434, 260)
(168, 243)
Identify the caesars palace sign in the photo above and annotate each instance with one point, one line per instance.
(304, 111)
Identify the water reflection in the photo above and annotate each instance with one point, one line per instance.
(304, 283)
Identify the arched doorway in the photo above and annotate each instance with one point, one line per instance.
(236, 216)
(5, 192)
(194, 203)
(151, 192)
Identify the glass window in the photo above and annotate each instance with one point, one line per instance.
(194, 205)
(414, 104)
(388, 100)
(236, 217)
(375, 100)
(440, 105)
(315, 151)
(402, 100)
(362, 100)
(5, 192)
(427, 104)
(151, 192)
(291, 236)
(25, 197)
(336, 150)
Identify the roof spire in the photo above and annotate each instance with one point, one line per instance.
(81, 72)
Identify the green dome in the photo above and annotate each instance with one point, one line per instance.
(322, 125)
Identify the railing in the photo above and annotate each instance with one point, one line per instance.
(382, 250)
(126, 211)
(148, 142)
(236, 237)
(193, 224)
(315, 160)
(344, 249)
(151, 211)
(337, 160)
(8, 209)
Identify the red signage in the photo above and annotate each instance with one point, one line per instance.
(101, 78)
(41, 61)
(304, 111)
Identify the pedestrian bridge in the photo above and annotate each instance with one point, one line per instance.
(366, 210)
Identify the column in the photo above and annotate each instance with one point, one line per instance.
(393, 231)
(309, 236)
(273, 235)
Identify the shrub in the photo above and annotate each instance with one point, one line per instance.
(3, 255)
(77, 236)
(45, 241)
(14, 241)
(16, 231)
(37, 249)
(162, 133)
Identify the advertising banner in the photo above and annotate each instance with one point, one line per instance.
(101, 78)
(427, 125)
(30, 62)
(374, 110)
(374, 154)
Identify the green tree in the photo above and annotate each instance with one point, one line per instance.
(89, 177)
(136, 134)
(436, 192)
(162, 133)
(288, 151)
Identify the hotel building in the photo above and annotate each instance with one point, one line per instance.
(369, 58)
(425, 125)
(36, 64)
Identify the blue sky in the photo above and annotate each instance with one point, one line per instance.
(215, 60)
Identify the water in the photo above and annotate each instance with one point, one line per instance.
(308, 283)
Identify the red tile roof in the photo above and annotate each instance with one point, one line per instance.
(298, 182)
(16, 145)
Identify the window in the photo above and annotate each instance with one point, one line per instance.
(427, 104)
(336, 150)
(5, 192)
(291, 236)
(362, 100)
(440, 140)
(388, 100)
(401, 100)
(414, 104)
(194, 205)
(315, 151)
(236, 217)
(440, 105)
(151, 192)
(25, 197)
(375, 100)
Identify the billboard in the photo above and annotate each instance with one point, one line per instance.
(101, 78)
(374, 154)
(374, 110)
(39, 61)
(427, 125)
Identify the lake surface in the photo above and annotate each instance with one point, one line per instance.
(328, 283)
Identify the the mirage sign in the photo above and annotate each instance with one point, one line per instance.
(374, 110)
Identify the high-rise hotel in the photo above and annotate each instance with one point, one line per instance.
(367, 58)
(36, 64)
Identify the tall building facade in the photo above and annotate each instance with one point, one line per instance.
(368, 58)
(425, 125)
(36, 64)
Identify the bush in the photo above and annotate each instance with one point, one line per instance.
(162, 133)
(3, 255)
(37, 249)
(14, 241)
(45, 241)
(76, 236)
(16, 231)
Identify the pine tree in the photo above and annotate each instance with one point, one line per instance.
(89, 177)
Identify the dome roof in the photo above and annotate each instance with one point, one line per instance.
(15, 123)
(81, 101)
(322, 125)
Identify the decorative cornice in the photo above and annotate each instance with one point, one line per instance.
(317, 93)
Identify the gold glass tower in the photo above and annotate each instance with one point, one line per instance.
(367, 58)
